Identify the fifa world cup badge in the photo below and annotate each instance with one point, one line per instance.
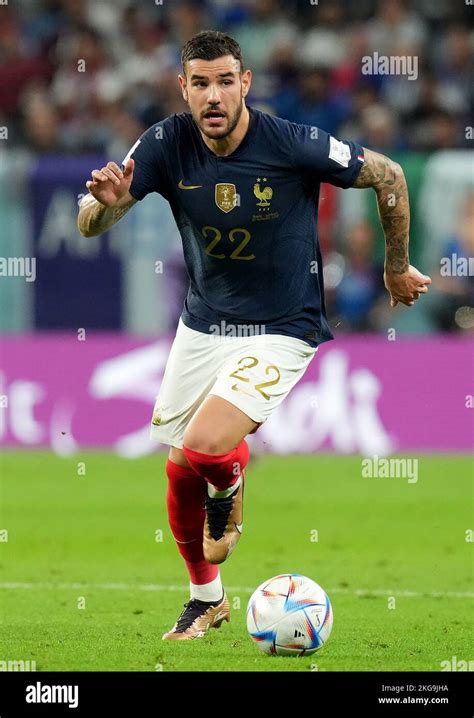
(226, 195)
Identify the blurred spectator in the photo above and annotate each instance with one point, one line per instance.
(18, 64)
(361, 282)
(364, 96)
(452, 302)
(188, 17)
(347, 75)
(394, 26)
(379, 128)
(41, 124)
(445, 131)
(322, 45)
(82, 88)
(311, 103)
(454, 69)
(262, 37)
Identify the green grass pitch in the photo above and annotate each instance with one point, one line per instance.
(86, 585)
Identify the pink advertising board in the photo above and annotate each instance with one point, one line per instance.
(360, 395)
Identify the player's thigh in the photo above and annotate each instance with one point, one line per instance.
(217, 427)
(257, 376)
(191, 370)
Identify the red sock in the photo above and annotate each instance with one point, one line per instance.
(185, 502)
(221, 471)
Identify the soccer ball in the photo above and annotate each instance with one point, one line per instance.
(289, 615)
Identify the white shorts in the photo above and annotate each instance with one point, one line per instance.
(253, 373)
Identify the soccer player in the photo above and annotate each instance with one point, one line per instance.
(243, 187)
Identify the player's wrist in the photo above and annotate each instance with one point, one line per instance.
(123, 201)
(396, 269)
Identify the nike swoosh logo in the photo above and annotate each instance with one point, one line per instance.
(238, 527)
(191, 186)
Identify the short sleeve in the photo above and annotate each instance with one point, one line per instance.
(149, 152)
(323, 158)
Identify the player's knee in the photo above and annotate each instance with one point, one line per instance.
(205, 444)
(216, 440)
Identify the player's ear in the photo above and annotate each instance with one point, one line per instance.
(246, 82)
(184, 90)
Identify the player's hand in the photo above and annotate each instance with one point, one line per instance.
(407, 287)
(110, 185)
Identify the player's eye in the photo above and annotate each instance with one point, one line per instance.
(227, 82)
(199, 83)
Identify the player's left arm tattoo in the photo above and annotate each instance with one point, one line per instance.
(388, 181)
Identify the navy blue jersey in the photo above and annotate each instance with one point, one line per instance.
(248, 221)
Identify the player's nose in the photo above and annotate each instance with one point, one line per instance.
(213, 96)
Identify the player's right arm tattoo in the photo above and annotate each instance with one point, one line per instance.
(388, 180)
(95, 218)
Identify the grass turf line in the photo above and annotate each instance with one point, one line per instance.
(99, 528)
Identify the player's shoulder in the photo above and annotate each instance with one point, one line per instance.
(278, 124)
(282, 136)
(169, 128)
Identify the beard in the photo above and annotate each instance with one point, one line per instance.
(231, 124)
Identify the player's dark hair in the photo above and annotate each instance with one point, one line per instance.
(209, 45)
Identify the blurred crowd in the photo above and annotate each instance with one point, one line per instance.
(82, 76)
(358, 302)
(90, 75)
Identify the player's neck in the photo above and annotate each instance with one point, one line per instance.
(230, 143)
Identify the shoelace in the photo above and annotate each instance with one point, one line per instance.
(192, 610)
(218, 511)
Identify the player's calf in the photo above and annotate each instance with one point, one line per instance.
(225, 475)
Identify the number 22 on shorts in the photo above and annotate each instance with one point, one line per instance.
(269, 369)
